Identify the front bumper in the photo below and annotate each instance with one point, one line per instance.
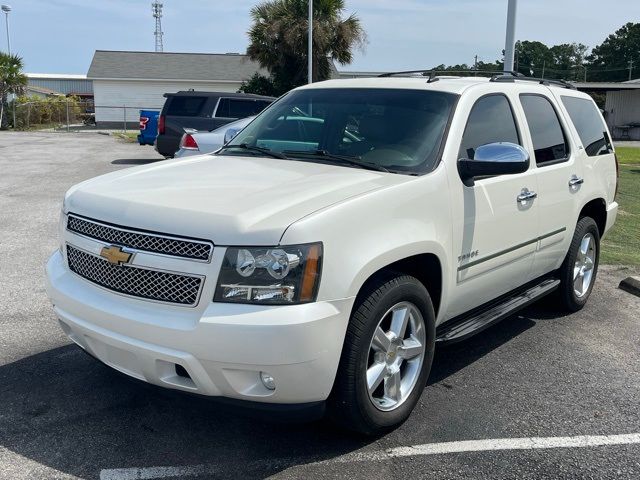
(222, 347)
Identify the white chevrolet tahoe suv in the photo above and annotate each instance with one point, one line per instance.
(317, 259)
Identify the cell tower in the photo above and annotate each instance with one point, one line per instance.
(156, 8)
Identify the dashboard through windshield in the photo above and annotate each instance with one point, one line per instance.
(397, 130)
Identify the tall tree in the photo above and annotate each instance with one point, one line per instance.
(569, 60)
(532, 58)
(611, 59)
(12, 80)
(278, 39)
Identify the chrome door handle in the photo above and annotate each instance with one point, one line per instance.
(575, 181)
(526, 195)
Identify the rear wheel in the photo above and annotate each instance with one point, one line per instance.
(578, 271)
(386, 357)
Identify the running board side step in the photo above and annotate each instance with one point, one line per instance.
(460, 329)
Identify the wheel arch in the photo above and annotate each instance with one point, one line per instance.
(596, 209)
(426, 267)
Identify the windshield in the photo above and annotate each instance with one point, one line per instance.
(397, 130)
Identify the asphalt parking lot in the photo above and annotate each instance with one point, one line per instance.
(539, 396)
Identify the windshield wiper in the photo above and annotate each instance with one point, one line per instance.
(355, 161)
(253, 148)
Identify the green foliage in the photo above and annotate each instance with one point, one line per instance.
(33, 111)
(610, 60)
(565, 61)
(259, 85)
(569, 61)
(278, 40)
(622, 244)
(532, 57)
(12, 81)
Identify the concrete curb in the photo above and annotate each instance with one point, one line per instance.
(631, 285)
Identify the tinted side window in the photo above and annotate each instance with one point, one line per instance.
(186, 106)
(491, 120)
(223, 108)
(589, 124)
(240, 108)
(260, 105)
(549, 142)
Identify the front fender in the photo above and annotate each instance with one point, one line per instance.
(365, 234)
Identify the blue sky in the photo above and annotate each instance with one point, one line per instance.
(60, 36)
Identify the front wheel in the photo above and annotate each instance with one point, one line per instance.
(578, 271)
(386, 357)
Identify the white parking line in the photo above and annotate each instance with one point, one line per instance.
(157, 472)
(488, 445)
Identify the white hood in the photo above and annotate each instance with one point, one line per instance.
(226, 199)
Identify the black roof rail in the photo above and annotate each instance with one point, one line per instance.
(435, 73)
(496, 76)
(509, 77)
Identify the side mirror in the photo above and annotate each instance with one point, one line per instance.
(230, 133)
(492, 159)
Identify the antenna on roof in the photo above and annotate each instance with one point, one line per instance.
(156, 8)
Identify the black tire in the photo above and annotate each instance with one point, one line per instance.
(349, 404)
(566, 297)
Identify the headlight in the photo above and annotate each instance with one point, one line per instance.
(273, 276)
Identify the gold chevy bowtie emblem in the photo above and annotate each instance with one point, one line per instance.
(115, 255)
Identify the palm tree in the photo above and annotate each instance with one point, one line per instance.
(12, 80)
(278, 39)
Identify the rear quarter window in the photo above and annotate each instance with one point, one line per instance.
(589, 124)
(186, 106)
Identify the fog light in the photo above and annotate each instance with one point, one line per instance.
(268, 381)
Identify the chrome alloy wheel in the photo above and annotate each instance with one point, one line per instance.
(396, 354)
(585, 263)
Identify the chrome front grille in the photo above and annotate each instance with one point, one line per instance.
(148, 242)
(134, 281)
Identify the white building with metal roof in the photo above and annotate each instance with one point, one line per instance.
(47, 84)
(126, 82)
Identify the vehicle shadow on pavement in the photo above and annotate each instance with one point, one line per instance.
(451, 358)
(69, 412)
(136, 161)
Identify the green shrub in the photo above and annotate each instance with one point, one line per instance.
(32, 111)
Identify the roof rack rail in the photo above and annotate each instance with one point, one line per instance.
(432, 74)
(496, 76)
(510, 77)
(435, 74)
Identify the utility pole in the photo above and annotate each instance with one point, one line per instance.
(510, 41)
(630, 68)
(156, 8)
(6, 9)
(310, 46)
(544, 63)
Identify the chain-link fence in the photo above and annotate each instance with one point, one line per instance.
(70, 114)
